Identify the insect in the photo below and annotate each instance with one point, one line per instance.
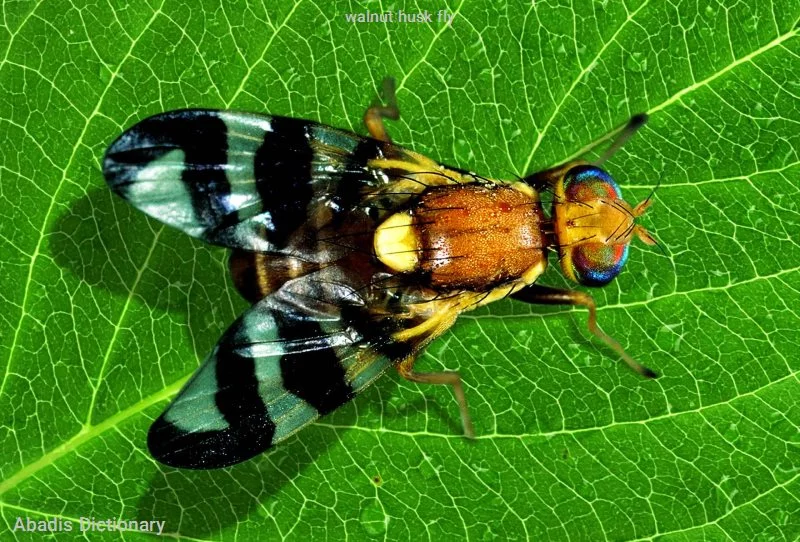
(355, 254)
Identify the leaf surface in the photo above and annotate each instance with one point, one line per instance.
(105, 313)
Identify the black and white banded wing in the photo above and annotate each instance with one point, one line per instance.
(241, 180)
(297, 354)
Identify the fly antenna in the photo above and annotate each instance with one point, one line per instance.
(636, 122)
(642, 207)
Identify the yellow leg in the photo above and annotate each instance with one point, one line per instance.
(374, 115)
(452, 378)
(553, 296)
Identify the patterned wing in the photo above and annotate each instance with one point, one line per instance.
(256, 182)
(297, 354)
(299, 202)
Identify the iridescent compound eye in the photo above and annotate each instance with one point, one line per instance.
(593, 226)
(596, 264)
(586, 183)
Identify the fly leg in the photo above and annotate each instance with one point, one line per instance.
(549, 177)
(544, 295)
(406, 370)
(636, 122)
(375, 114)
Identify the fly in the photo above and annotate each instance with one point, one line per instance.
(355, 254)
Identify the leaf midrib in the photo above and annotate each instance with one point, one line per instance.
(88, 433)
(91, 432)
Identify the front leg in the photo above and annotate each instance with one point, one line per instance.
(548, 178)
(544, 295)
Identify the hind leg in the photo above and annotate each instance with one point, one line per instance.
(375, 114)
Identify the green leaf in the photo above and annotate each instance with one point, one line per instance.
(104, 313)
